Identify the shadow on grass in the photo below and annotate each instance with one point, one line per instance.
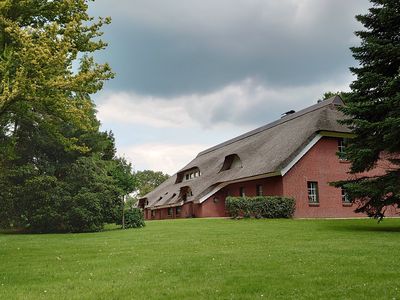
(13, 232)
(16, 231)
(372, 229)
(366, 228)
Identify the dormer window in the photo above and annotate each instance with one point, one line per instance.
(232, 161)
(186, 193)
(188, 175)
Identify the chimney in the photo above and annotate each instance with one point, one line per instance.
(290, 112)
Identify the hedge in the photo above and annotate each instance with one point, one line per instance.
(260, 207)
(134, 218)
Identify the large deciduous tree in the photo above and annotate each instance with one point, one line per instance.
(148, 180)
(373, 109)
(57, 170)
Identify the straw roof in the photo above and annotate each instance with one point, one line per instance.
(265, 150)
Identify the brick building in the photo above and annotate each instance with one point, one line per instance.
(296, 156)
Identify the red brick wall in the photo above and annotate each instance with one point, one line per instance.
(215, 205)
(212, 207)
(187, 210)
(320, 164)
(272, 186)
(162, 213)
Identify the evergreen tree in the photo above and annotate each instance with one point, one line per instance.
(373, 109)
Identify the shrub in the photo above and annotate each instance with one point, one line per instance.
(260, 207)
(134, 218)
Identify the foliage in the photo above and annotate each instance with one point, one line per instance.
(130, 201)
(58, 172)
(83, 200)
(123, 174)
(148, 180)
(373, 109)
(260, 207)
(134, 218)
(341, 94)
(125, 180)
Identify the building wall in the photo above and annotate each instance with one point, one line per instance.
(212, 207)
(162, 213)
(321, 164)
(272, 186)
(187, 210)
(215, 205)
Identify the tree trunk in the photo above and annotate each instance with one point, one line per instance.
(123, 213)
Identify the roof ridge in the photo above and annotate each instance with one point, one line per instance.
(336, 100)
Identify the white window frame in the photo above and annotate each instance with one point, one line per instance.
(259, 190)
(242, 191)
(342, 149)
(345, 197)
(312, 189)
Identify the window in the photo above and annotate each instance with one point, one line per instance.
(169, 211)
(178, 210)
(153, 213)
(345, 197)
(188, 174)
(342, 143)
(185, 193)
(259, 190)
(242, 192)
(312, 192)
(231, 162)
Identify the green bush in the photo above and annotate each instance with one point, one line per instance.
(134, 218)
(260, 207)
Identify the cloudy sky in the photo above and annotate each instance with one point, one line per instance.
(193, 73)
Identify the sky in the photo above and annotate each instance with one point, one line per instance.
(191, 74)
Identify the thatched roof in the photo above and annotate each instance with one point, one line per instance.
(265, 150)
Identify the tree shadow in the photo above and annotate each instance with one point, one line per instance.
(16, 231)
(367, 228)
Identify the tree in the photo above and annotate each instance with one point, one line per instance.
(148, 180)
(330, 94)
(125, 181)
(57, 170)
(373, 109)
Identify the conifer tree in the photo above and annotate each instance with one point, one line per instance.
(373, 109)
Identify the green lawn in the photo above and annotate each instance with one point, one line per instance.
(208, 259)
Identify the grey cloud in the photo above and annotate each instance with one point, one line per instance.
(182, 47)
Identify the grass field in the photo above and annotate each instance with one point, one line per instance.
(208, 259)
